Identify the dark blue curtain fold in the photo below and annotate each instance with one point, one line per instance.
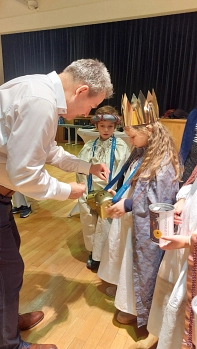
(148, 53)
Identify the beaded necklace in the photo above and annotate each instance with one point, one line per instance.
(189, 342)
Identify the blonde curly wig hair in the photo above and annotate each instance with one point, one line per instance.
(160, 149)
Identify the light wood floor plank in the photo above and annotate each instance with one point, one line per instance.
(76, 343)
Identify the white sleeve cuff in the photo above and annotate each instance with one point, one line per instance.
(183, 192)
(84, 167)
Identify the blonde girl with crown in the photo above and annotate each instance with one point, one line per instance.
(113, 152)
(130, 259)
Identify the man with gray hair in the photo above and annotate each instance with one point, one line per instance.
(29, 110)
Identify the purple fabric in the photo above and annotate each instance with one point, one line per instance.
(128, 205)
(147, 256)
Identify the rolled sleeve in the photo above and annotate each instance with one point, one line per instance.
(26, 158)
(65, 161)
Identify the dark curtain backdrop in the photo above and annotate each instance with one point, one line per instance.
(157, 53)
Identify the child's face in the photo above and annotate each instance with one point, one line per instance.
(138, 139)
(106, 129)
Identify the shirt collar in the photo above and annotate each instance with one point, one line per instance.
(61, 101)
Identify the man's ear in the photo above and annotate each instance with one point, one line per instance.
(83, 89)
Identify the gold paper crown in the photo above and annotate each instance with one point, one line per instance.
(141, 110)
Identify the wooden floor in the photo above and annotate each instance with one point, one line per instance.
(78, 314)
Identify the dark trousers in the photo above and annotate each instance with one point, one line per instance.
(11, 277)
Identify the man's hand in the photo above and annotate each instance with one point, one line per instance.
(77, 190)
(117, 210)
(100, 170)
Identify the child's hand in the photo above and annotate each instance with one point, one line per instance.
(117, 210)
(179, 206)
(178, 210)
(175, 242)
(111, 191)
(177, 219)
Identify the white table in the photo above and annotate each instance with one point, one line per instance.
(87, 134)
(69, 126)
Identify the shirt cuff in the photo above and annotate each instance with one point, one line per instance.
(183, 192)
(84, 167)
(63, 193)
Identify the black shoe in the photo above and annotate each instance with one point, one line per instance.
(16, 209)
(91, 264)
(25, 211)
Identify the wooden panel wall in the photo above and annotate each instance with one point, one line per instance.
(176, 128)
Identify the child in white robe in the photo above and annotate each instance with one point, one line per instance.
(170, 296)
(113, 152)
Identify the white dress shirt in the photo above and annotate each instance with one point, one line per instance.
(29, 110)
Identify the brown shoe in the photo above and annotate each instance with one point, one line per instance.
(29, 320)
(125, 318)
(38, 346)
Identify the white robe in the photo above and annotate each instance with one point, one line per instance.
(95, 229)
(113, 251)
(125, 294)
(167, 315)
(19, 200)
